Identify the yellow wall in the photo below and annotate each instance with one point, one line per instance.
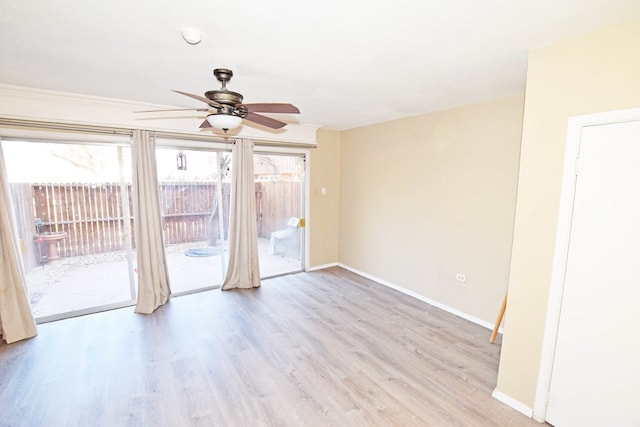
(323, 218)
(427, 197)
(594, 73)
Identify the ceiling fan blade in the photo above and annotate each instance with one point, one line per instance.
(272, 108)
(205, 125)
(172, 109)
(265, 121)
(199, 98)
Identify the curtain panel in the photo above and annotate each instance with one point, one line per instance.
(243, 271)
(153, 277)
(16, 319)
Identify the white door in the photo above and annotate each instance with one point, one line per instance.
(596, 368)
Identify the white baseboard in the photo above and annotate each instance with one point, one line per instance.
(323, 266)
(422, 298)
(515, 404)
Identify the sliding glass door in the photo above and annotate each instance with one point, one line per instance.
(280, 184)
(72, 202)
(194, 199)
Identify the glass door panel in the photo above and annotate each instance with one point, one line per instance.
(194, 199)
(279, 180)
(74, 218)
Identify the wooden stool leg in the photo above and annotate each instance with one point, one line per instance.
(499, 320)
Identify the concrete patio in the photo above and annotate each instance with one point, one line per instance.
(80, 283)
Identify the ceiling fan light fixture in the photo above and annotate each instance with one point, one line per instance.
(224, 121)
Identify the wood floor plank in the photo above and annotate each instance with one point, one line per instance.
(325, 348)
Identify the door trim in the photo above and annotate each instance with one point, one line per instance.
(565, 214)
(305, 153)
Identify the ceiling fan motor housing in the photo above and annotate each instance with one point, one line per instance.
(228, 99)
(224, 97)
(227, 105)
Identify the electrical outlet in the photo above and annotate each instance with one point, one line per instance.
(461, 278)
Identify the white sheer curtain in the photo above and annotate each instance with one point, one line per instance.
(16, 319)
(153, 279)
(243, 270)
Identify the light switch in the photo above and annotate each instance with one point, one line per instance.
(324, 191)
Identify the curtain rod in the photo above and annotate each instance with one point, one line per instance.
(35, 124)
(229, 140)
(105, 130)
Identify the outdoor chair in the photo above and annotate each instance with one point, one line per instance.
(285, 236)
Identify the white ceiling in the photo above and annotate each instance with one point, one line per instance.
(344, 63)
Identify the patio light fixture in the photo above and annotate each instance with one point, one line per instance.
(181, 160)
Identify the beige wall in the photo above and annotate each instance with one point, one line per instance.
(417, 200)
(593, 73)
(324, 215)
(427, 197)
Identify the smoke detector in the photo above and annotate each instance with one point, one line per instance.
(191, 35)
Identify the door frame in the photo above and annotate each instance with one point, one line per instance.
(563, 234)
(305, 192)
(86, 139)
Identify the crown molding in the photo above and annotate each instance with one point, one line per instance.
(25, 103)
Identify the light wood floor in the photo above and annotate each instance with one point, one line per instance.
(312, 349)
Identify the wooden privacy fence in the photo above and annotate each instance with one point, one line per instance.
(96, 216)
(190, 211)
(276, 202)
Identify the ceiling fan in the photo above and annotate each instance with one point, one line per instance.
(226, 110)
